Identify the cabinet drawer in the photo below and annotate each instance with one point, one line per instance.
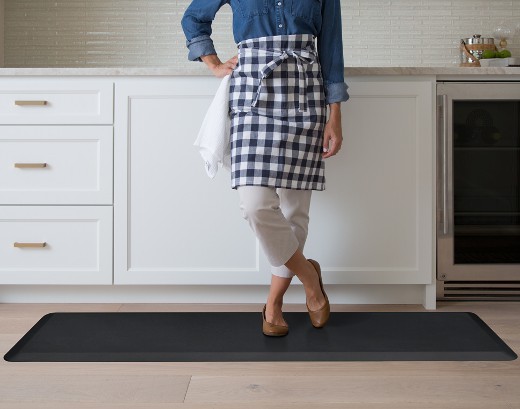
(56, 164)
(64, 101)
(56, 244)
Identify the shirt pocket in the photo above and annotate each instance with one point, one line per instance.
(253, 8)
(308, 10)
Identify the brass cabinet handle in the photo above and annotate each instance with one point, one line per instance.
(29, 103)
(17, 244)
(30, 165)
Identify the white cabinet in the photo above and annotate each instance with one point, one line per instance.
(173, 225)
(68, 173)
(56, 180)
(374, 223)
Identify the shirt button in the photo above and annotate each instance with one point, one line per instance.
(279, 3)
(280, 25)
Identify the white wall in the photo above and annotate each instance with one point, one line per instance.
(77, 33)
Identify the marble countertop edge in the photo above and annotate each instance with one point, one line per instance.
(167, 71)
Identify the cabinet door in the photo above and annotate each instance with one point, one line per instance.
(56, 244)
(173, 224)
(374, 223)
(46, 101)
(56, 164)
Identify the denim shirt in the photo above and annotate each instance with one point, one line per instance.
(259, 18)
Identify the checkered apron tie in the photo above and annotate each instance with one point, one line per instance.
(301, 57)
(278, 112)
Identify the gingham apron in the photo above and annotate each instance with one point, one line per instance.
(278, 112)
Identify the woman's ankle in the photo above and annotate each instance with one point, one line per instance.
(309, 279)
(276, 302)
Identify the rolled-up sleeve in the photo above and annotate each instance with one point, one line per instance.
(330, 51)
(196, 24)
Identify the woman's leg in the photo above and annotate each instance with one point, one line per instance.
(307, 275)
(260, 206)
(279, 285)
(295, 205)
(273, 306)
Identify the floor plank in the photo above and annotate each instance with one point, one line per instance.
(81, 387)
(353, 389)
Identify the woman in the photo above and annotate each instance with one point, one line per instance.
(281, 84)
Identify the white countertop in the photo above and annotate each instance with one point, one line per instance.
(202, 71)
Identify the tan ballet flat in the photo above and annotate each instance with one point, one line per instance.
(272, 330)
(319, 317)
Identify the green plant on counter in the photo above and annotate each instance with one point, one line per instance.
(496, 54)
(488, 54)
(504, 54)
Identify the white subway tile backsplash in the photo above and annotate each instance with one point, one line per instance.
(104, 33)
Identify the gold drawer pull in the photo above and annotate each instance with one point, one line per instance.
(29, 103)
(30, 165)
(16, 244)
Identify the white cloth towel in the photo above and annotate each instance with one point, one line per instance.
(213, 138)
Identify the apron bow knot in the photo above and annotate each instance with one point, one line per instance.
(301, 56)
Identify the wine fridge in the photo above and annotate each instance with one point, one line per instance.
(478, 190)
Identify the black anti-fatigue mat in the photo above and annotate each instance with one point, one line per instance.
(237, 336)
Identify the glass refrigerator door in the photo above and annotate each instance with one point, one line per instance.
(486, 181)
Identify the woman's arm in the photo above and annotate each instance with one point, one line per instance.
(330, 51)
(332, 135)
(196, 24)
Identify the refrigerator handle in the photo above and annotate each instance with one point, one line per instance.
(443, 100)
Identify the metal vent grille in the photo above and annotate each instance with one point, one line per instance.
(481, 290)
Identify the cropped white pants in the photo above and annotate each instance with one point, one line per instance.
(279, 217)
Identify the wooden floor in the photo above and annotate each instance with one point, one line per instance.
(234, 385)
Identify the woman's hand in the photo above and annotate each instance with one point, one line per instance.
(333, 138)
(218, 68)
